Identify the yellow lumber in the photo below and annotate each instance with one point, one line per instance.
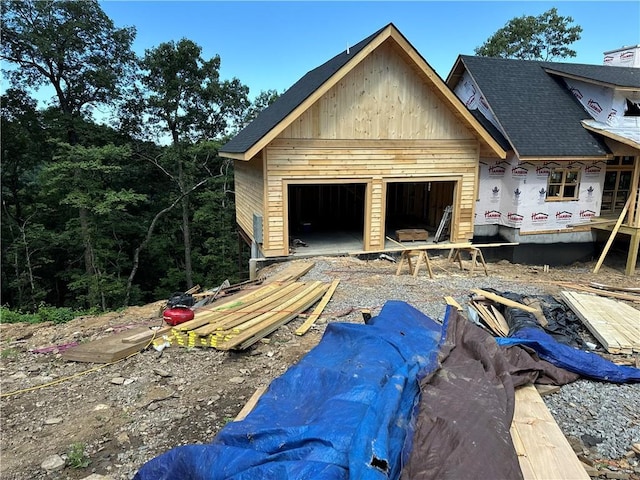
(302, 329)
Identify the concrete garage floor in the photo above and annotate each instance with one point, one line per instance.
(341, 243)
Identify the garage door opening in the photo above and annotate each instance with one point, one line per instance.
(329, 217)
(417, 206)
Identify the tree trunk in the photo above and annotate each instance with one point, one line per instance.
(89, 267)
(186, 231)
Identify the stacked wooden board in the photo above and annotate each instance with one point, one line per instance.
(234, 323)
(615, 324)
(240, 323)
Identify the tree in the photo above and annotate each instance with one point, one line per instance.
(186, 100)
(262, 101)
(74, 48)
(545, 37)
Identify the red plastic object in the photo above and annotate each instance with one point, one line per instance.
(177, 315)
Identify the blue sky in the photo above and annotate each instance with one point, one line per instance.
(270, 45)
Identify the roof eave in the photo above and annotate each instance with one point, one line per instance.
(612, 136)
(311, 99)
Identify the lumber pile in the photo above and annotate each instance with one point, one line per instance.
(235, 322)
(240, 323)
(616, 325)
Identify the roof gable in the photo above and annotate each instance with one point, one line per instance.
(536, 111)
(275, 118)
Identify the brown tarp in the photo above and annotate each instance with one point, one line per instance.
(466, 406)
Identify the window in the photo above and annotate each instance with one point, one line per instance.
(563, 184)
(617, 184)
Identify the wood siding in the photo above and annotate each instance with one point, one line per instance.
(381, 98)
(377, 162)
(249, 190)
(380, 123)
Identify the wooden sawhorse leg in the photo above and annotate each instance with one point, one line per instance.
(407, 255)
(422, 255)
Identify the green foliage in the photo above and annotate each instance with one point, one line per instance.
(44, 313)
(72, 46)
(9, 352)
(544, 37)
(77, 457)
(85, 207)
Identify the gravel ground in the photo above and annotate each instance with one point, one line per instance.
(127, 413)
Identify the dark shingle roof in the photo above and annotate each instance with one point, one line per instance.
(538, 114)
(491, 128)
(614, 76)
(292, 98)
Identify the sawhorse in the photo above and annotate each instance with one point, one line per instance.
(474, 252)
(407, 256)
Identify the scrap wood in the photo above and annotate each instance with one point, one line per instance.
(498, 328)
(614, 324)
(302, 329)
(614, 288)
(510, 303)
(452, 301)
(543, 450)
(603, 293)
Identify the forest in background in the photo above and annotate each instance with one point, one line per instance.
(114, 193)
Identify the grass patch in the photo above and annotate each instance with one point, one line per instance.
(44, 313)
(77, 457)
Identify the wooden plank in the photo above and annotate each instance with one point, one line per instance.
(504, 326)
(616, 227)
(543, 450)
(452, 301)
(604, 293)
(615, 288)
(489, 319)
(248, 337)
(615, 325)
(216, 312)
(503, 301)
(288, 305)
(292, 272)
(108, 349)
(302, 329)
(251, 403)
(270, 304)
(147, 335)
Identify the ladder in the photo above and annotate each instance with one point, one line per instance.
(444, 224)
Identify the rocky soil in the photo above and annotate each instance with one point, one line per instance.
(69, 420)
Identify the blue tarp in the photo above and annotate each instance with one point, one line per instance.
(346, 410)
(587, 364)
